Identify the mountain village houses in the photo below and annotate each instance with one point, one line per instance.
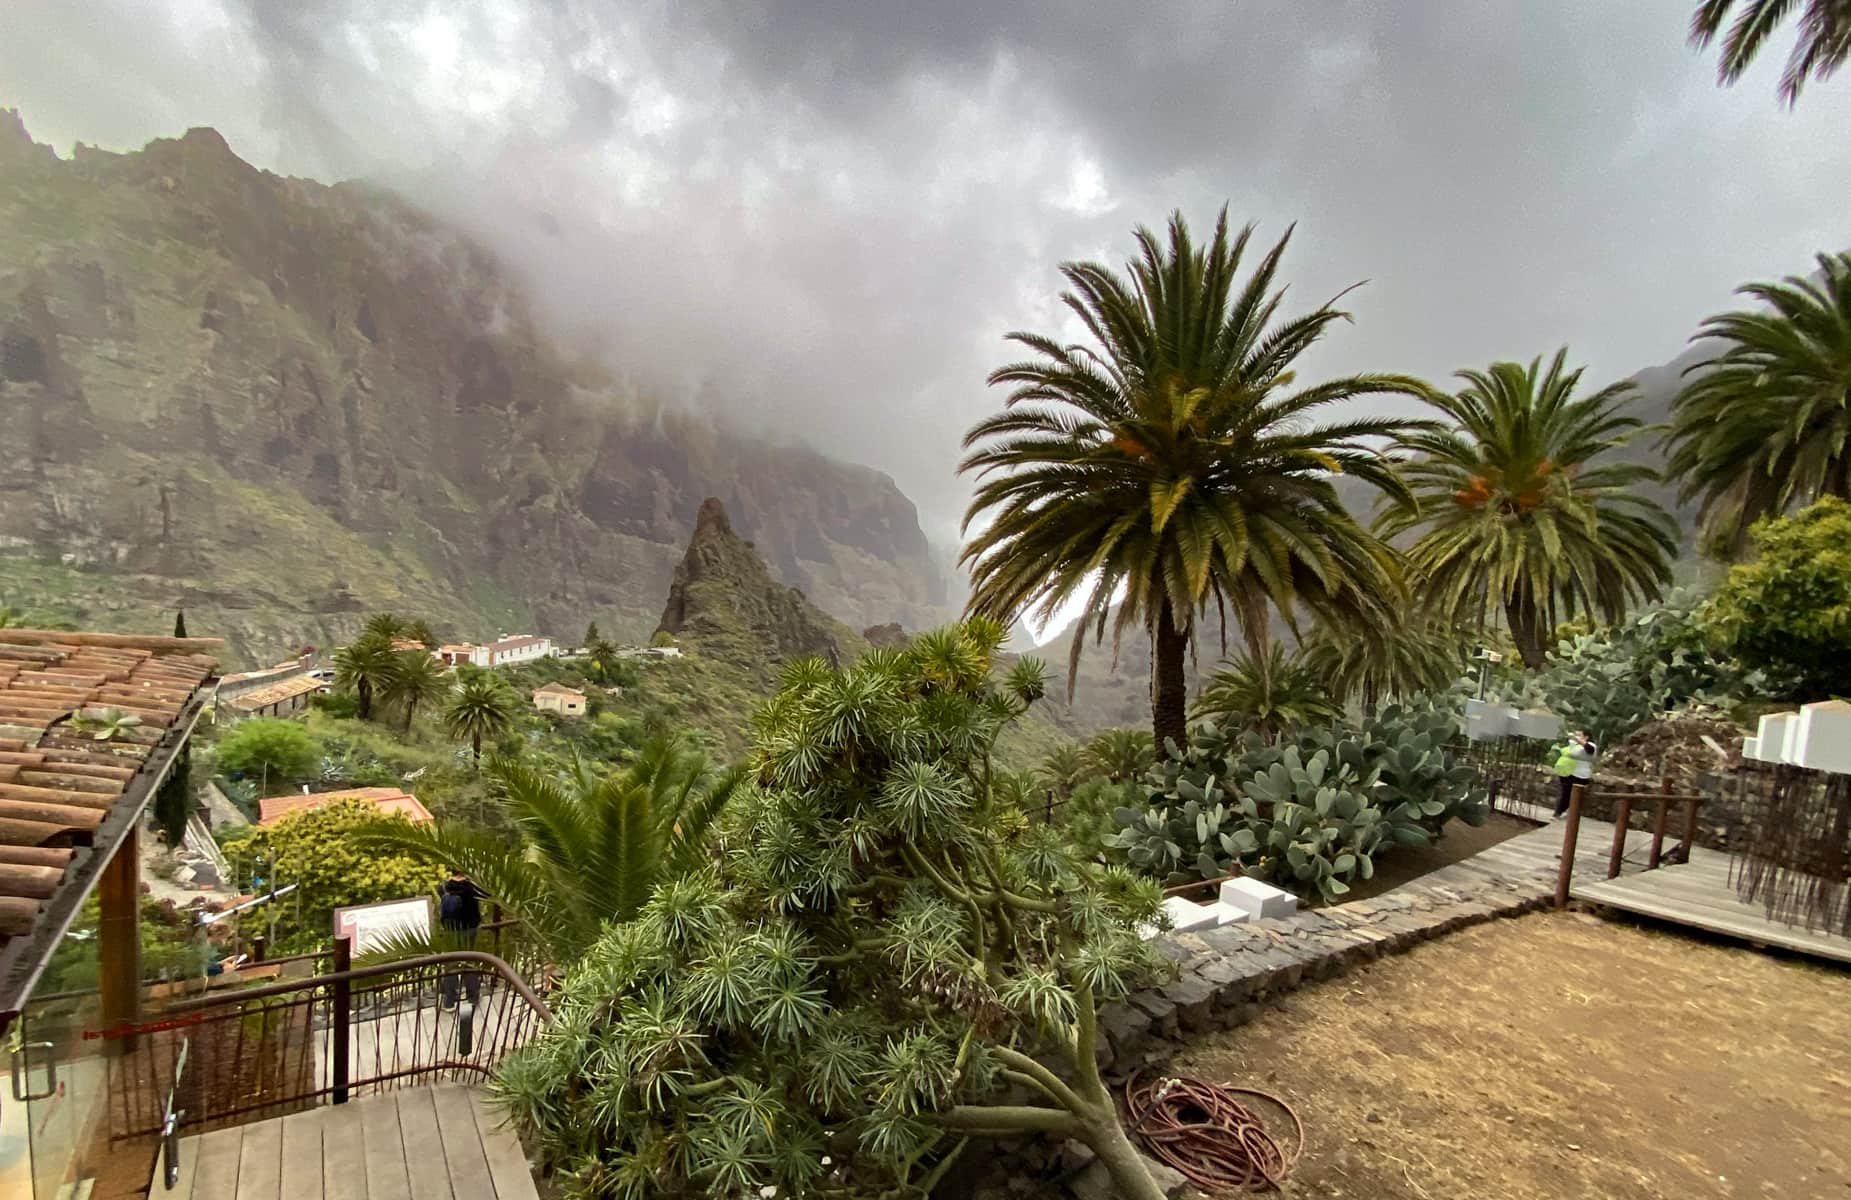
(560, 699)
(513, 648)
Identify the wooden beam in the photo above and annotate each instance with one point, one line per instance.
(118, 895)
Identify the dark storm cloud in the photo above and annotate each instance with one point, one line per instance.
(818, 218)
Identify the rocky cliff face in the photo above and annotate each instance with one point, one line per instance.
(724, 603)
(282, 404)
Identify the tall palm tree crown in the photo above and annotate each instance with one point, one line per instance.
(365, 667)
(1176, 458)
(1766, 427)
(1823, 46)
(483, 707)
(418, 679)
(1514, 510)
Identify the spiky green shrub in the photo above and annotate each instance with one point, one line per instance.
(868, 974)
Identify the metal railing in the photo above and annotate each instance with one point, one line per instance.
(284, 1047)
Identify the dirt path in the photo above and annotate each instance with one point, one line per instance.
(1561, 1056)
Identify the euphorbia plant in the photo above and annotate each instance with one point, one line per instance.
(878, 965)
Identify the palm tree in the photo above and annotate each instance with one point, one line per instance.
(418, 679)
(1515, 508)
(590, 847)
(1270, 696)
(420, 631)
(1824, 38)
(1177, 460)
(483, 707)
(1766, 427)
(1416, 655)
(1120, 754)
(1064, 769)
(388, 626)
(605, 661)
(365, 667)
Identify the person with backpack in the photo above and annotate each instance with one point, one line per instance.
(459, 911)
(1574, 763)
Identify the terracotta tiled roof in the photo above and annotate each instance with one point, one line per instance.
(263, 697)
(387, 800)
(59, 784)
(557, 689)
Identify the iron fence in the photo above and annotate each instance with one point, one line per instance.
(268, 1051)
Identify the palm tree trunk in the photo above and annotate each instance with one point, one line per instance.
(475, 747)
(1525, 628)
(1169, 699)
(411, 707)
(363, 698)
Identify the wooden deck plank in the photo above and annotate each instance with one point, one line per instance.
(424, 1159)
(507, 1165)
(1749, 927)
(343, 1153)
(302, 1175)
(260, 1161)
(463, 1152)
(215, 1177)
(386, 1175)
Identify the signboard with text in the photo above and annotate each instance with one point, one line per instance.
(373, 926)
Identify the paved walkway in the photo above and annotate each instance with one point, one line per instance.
(431, 1143)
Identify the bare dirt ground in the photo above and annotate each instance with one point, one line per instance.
(1560, 1056)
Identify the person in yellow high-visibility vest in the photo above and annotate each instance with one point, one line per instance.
(1574, 763)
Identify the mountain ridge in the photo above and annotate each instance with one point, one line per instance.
(282, 403)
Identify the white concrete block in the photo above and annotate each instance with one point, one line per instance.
(1186, 915)
(1772, 736)
(1751, 748)
(1227, 914)
(1260, 900)
(1538, 723)
(1820, 738)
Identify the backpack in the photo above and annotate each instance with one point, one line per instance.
(450, 908)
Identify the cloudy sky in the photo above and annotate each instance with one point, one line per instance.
(820, 216)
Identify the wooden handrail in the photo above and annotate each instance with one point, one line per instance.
(496, 965)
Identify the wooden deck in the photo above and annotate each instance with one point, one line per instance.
(1696, 894)
(428, 1143)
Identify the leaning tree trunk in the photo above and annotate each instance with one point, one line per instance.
(1169, 689)
(1525, 628)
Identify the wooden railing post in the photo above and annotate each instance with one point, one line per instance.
(1622, 824)
(1571, 830)
(1690, 827)
(340, 1018)
(257, 948)
(1661, 811)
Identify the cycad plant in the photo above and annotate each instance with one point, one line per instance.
(1272, 695)
(871, 974)
(482, 708)
(1415, 656)
(1765, 427)
(1178, 459)
(1119, 754)
(1520, 507)
(590, 847)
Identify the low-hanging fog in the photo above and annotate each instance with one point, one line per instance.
(818, 218)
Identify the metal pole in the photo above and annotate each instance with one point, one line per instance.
(1571, 829)
(340, 1017)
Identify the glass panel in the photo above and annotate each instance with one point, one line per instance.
(57, 1071)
